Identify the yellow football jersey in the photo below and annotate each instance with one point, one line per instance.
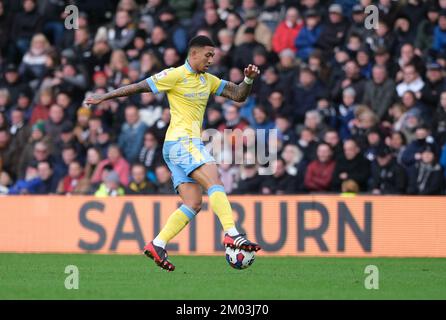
(188, 93)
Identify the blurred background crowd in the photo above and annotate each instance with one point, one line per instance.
(358, 110)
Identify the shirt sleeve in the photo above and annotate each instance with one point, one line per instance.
(217, 85)
(162, 81)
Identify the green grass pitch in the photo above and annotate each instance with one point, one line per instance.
(42, 276)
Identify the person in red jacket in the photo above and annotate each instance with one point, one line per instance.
(320, 171)
(287, 31)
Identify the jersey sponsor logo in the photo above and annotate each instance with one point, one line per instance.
(161, 75)
(203, 80)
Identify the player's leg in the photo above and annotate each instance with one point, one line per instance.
(207, 176)
(191, 195)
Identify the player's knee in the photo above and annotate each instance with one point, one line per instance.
(194, 205)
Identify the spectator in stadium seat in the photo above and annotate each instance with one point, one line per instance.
(163, 180)
(74, 182)
(121, 34)
(443, 159)
(110, 187)
(306, 40)
(29, 183)
(139, 184)
(262, 34)
(13, 82)
(150, 153)
(160, 126)
(439, 41)
(285, 130)
(19, 130)
(33, 65)
(379, 92)
(434, 84)
(5, 30)
(425, 30)
(280, 182)
(48, 180)
(250, 180)
(411, 81)
(334, 31)
(271, 13)
(118, 164)
(132, 130)
(319, 172)
(244, 52)
(351, 166)
(287, 31)
(397, 142)
(292, 157)
(358, 17)
(25, 25)
(276, 103)
(92, 161)
(388, 177)
(305, 94)
(426, 176)
(346, 112)
(439, 120)
(351, 78)
(331, 137)
(412, 154)
(40, 111)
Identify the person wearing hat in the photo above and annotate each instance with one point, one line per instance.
(426, 176)
(262, 33)
(110, 186)
(334, 31)
(309, 34)
(425, 30)
(434, 84)
(358, 19)
(388, 177)
(81, 128)
(412, 153)
(287, 31)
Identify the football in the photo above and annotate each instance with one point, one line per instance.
(239, 259)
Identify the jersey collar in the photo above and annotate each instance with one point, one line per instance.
(188, 67)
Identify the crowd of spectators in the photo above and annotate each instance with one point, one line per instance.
(356, 109)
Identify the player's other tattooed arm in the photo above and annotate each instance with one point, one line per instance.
(124, 91)
(241, 91)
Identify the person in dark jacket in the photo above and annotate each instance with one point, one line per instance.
(48, 180)
(379, 92)
(280, 182)
(426, 176)
(388, 177)
(412, 153)
(351, 166)
(305, 94)
(26, 24)
(333, 32)
(433, 86)
(139, 185)
(250, 181)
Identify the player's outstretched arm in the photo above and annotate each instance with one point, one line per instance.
(241, 91)
(124, 91)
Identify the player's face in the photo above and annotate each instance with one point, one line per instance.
(205, 57)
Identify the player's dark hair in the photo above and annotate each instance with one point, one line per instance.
(200, 42)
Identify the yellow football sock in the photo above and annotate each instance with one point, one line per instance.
(221, 206)
(176, 222)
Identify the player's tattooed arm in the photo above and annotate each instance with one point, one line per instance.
(139, 87)
(236, 92)
(241, 91)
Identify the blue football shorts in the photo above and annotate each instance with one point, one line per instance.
(184, 156)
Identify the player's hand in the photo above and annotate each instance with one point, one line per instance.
(94, 99)
(251, 71)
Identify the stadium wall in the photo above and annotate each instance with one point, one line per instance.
(319, 225)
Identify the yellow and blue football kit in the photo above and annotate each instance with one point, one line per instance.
(183, 150)
(188, 93)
